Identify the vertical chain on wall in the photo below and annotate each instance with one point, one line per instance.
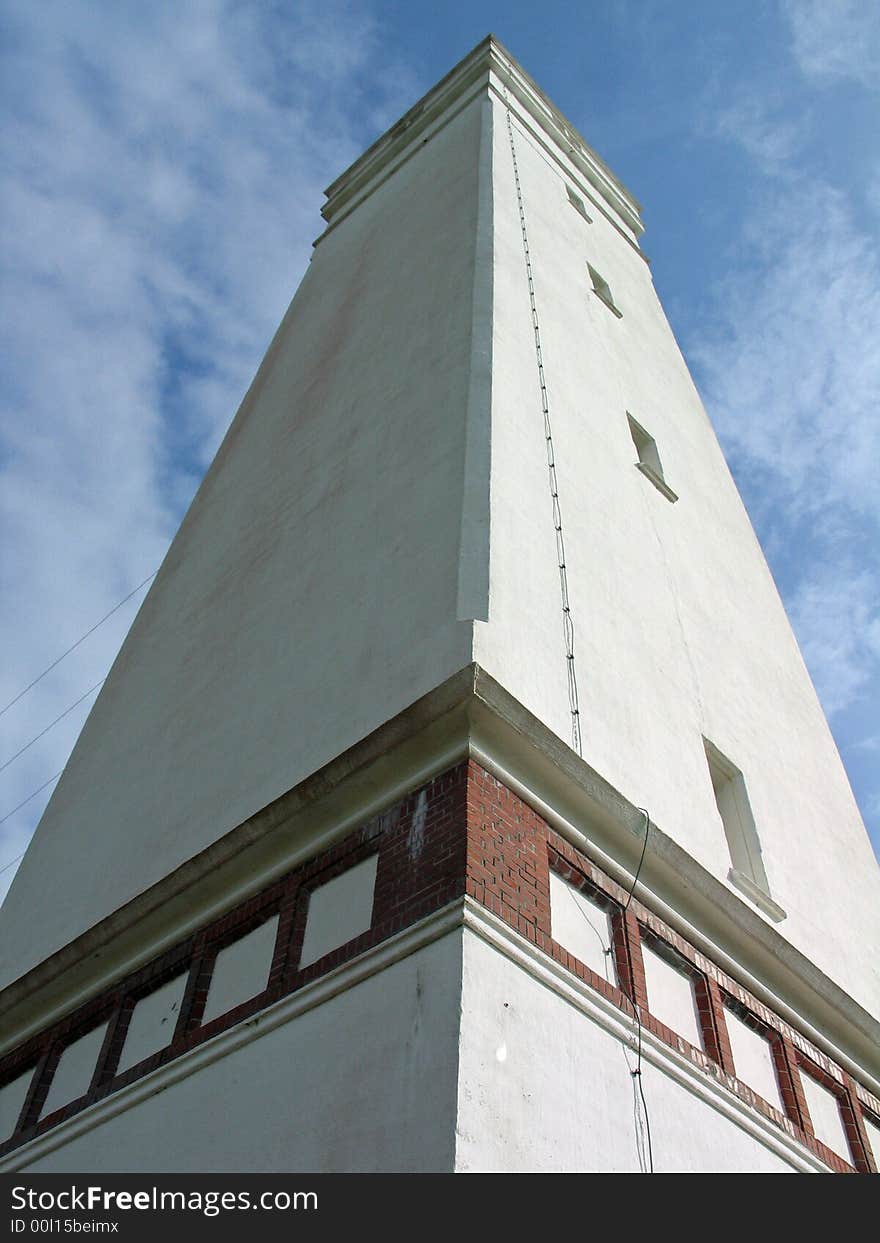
(567, 619)
(643, 1126)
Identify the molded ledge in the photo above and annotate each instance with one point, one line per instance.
(761, 900)
(471, 75)
(658, 481)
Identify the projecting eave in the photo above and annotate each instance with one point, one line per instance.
(488, 68)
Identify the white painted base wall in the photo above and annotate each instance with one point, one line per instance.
(542, 1088)
(364, 1082)
(455, 1058)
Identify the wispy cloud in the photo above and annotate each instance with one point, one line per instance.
(791, 365)
(836, 610)
(836, 39)
(791, 373)
(759, 126)
(162, 173)
(788, 362)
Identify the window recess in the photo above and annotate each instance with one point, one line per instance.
(649, 458)
(578, 204)
(602, 290)
(744, 845)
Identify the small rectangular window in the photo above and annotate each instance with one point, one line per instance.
(339, 910)
(582, 927)
(753, 1059)
(578, 204)
(872, 1128)
(743, 843)
(75, 1070)
(670, 988)
(602, 290)
(12, 1098)
(241, 970)
(824, 1108)
(153, 1022)
(649, 458)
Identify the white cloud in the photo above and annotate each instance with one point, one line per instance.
(163, 170)
(791, 369)
(759, 129)
(836, 610)
(791, 376)
(836, 39)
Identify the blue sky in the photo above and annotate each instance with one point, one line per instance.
(163, 168)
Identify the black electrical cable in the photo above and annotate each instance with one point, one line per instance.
(637, 1073)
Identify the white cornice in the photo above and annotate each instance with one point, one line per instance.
(489, 67)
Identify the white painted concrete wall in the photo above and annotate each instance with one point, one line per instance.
(365, 1082)
(453, 1058)
(241, 970)
(312, 591)
(542, 1088)
(680, 632)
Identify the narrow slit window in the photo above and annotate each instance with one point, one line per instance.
(649, 458)
(747, 873)
(578, 204)
(602, 290)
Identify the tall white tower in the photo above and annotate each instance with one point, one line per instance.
(459, 799)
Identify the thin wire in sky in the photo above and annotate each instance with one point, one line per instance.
(10, 814)
(58, 718)
(75, 645)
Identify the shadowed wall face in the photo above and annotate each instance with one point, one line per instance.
(312, 591)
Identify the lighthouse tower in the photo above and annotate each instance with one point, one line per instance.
(459, 799)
